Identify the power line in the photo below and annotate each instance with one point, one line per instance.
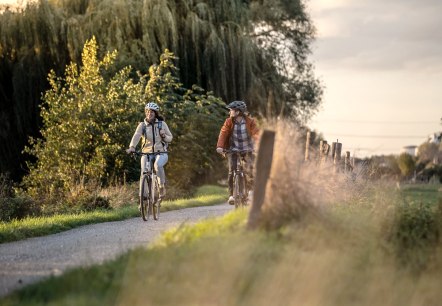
(376, 122)
(380, 136)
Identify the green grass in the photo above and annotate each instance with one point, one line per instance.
(39, 226)
(422, 194)
(150, 269)
(218, 262)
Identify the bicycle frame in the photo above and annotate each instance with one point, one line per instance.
(149, 187)
(240, 192)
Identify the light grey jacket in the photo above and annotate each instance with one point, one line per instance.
(148, 136)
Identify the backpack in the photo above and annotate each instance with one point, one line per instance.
(160, 126)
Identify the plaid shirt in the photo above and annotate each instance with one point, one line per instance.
(241, 141)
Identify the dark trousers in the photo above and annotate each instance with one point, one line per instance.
(248, 162)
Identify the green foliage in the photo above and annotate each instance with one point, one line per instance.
(252, 50)
(416, 230)
(194, 118)
(406, 164)
(87, 120)
(12, 205)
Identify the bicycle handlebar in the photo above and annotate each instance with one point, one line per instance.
(148, 153)
(138, 153)
(238, 151)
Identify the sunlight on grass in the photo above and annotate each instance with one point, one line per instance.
(39, 226)
(218, 262)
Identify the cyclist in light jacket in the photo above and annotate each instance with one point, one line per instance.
(156, 137)
(239, 133)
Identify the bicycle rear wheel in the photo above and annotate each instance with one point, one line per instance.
(155, 192)
(237, 190)
(144, 198)
(241, 198)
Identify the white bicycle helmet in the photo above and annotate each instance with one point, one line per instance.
(153, 106)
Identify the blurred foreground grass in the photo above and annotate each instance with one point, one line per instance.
(354, 254)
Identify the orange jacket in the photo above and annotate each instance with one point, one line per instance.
(227, 129)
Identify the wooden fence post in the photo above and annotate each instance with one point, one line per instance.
(323, 151)
(263, 166)
(326, 151)
(347, 162)
(333, 151)
(307, 146)
(337, 155)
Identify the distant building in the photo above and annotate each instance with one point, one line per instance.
(435, 138)
(412, 150)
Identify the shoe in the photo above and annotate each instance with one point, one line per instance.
(231, 200)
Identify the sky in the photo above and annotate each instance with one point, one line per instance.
(381, 65)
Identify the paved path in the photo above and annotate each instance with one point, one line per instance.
(27, 261)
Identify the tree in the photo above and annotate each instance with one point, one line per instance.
(86, 122)
(406, 164)
(194, 118)
(427, 152)
(89, 119)
(252, 50)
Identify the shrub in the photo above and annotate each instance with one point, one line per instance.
(89, 117)
(13, 206)
(416, 231)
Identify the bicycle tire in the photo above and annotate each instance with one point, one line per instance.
(150, 199)
(243, 191)
(144, 198)
(236, 191)
(155, 198)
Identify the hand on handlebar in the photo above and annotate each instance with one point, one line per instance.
(130, 150)
(220, 150)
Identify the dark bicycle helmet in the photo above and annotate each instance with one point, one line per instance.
(239, 105)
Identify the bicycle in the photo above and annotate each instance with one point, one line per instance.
(150, 201)
(240, 190)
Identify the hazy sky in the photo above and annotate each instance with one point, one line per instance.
(381, 64)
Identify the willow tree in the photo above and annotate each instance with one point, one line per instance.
(253, 50)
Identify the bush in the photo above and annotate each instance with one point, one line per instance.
(13, 206)
(416, 231)
(89, 118)
(86, 198)
(92, 202)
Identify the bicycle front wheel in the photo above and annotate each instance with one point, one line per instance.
(155, 192)
(144, 197)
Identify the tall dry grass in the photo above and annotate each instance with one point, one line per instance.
(350, 240)
(298, 188)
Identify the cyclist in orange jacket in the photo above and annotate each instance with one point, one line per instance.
(238, 133)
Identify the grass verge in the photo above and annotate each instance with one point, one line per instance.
(40, 226)
(218, 262)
